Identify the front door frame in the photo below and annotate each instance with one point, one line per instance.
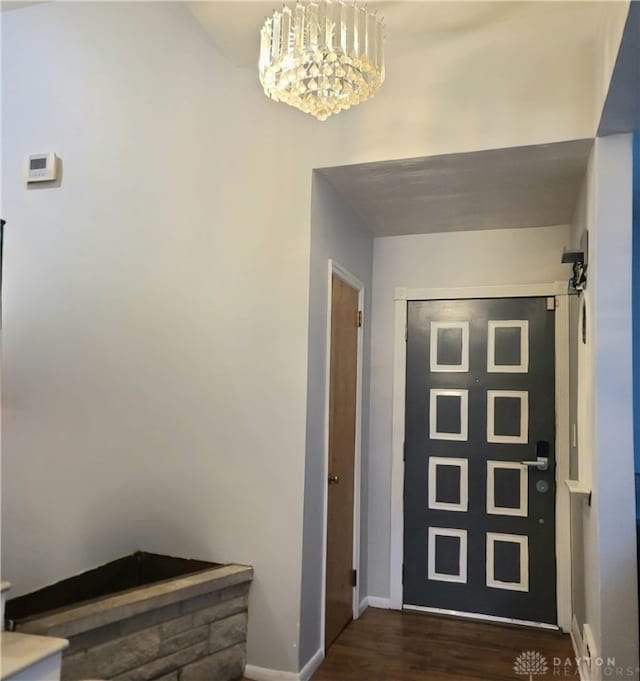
(559, 292)
(335, 269)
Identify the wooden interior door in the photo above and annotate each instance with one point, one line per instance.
(342, 442)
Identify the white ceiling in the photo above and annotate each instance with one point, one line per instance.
(531, 186)
(465, 69)
(234, 24)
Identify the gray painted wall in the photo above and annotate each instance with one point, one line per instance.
(337, 233)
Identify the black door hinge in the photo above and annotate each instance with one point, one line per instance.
(403, 573)
(359, 319)
(354, 578)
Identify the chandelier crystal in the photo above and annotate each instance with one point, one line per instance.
(322, 56)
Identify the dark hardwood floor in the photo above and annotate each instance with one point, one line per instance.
(385, 645)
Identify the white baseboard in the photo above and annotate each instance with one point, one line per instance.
(592, 672)
(584, 645)
(265, 674)
(377, 602)
(578, 647)
(364, 604)
(309, 669)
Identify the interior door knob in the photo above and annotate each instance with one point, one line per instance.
(334, 479)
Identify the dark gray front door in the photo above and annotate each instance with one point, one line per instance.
(479, 523)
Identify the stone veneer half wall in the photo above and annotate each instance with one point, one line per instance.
(186, 629)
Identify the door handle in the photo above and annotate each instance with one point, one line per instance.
(541, 463)
(542, 457)
(334, 479)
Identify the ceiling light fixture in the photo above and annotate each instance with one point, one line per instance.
(322, 56)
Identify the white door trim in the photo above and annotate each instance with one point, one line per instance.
(346, 276)
(563, 453)
(559, 291)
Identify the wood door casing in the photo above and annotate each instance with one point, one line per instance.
(342, 442)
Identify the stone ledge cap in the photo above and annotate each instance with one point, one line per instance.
(84, 617)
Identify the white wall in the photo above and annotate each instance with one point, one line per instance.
(156, 302)
(155, 308)
(609, 531)
(517, 256)
(472, 87)
(585, 564)
(336, 233)
(613, 17)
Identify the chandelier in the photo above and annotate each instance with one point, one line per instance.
(322, 56)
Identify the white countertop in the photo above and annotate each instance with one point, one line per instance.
(20, 651)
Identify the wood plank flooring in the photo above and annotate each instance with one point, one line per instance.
(386, 645)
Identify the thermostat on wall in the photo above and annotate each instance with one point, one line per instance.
(41, 167)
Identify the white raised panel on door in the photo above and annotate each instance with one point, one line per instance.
(523, 326)
(523, 433)
(434, 463)
(433, 574)
(463, 365)
(463, 398)
(522, 542)
(523, 486)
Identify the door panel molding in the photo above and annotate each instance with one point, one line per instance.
(521, 368)
(462, 434)
(336, 269)
(463, 365)
(563, 548)
(522, 542)
(461, 535)
(523, 436)
(462, 465)
(522, 510)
